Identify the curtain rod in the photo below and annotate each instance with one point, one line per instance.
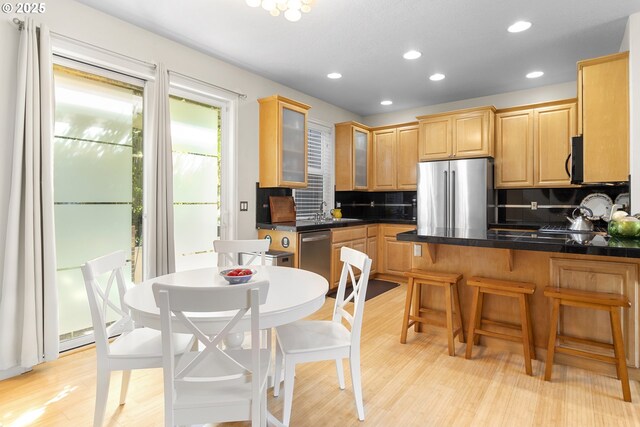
(20, 25)
(239, 94)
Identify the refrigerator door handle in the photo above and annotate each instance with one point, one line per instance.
(453, 199)
(446, 200)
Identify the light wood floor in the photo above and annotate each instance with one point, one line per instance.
(416, 384)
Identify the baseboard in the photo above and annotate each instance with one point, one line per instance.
(13, 372)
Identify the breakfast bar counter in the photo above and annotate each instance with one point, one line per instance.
(576, 243)
(597, 263)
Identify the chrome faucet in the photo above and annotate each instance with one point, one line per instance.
(323, 205)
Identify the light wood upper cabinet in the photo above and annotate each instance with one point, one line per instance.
(394, 158)
(514, 149)
(603, 117)
(407, 159)
(353, 156)
(457, 134)
(283, 142)
(533, 143)
(553, 128)
(384, 159)
(435, 138)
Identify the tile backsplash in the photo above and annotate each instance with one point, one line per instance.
(377, 205)
(514, 205)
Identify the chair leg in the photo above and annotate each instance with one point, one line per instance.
(476, 338)
(340, 372)
(289, 377)
(277, 371)
(449, 319)
(456, 302)
(532, 347)
(102, 392)
(618, 348)
(126, 376)
(417, 303)
(553, 331)
(407, 312)
(525, 334)
(473, 318)
(354, 363)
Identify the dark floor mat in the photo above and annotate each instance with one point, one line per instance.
(374, 288)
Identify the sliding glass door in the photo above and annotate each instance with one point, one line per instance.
(98, 183)
(196, 137)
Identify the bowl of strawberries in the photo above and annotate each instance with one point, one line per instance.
(237, 275)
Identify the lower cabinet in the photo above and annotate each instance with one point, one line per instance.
(600, 276)
(395, 256)
(372, 246)
(350, 237)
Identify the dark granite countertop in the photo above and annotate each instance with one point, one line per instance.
(586, 244)
(323, 225)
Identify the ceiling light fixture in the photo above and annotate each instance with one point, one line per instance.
(334, 75)
(535, 74)
(412, 54)
(519, 27)
(386, 102)
(292, 9)
(436, 77)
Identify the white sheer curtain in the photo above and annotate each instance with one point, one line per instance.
(161, 246)
(28, 296)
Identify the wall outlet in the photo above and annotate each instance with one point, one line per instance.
(244, 206)
(417, 250)
(338, 204)
(534, 206)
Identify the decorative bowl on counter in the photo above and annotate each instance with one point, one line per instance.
(237, 275)
(627, 227)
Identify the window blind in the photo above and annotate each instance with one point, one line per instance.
(319, 173)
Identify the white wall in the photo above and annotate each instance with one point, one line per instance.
(502, 100)
(631, 42)
(75, 20)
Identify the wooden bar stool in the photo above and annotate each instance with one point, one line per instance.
(597, 301)
(505, 288)
(448, 282)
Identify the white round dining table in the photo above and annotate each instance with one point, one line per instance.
(293, 294)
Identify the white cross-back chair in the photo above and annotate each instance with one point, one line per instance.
(229, 251)
(315, 340)
(212, 384)
(135, 348)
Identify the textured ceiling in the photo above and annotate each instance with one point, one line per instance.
(365, 39)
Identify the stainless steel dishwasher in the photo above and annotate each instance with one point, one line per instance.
(315, 252)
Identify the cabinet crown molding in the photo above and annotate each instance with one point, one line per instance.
(283, 99)
(463, 111)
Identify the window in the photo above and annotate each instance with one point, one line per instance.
(319, 174)
(98, 180)
(196, 135)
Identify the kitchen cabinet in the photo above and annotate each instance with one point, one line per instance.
(599, 276)
(283, 142)
(394, 158)
(372, 246)
(458, 134)
(533, 143)
(350, 237)
(603, 117)
(352, 154)
(395, 256)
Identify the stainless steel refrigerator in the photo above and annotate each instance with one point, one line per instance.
(454, 194)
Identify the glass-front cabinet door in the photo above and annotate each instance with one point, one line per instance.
(283, 142)
(361, 159)
(294, 143)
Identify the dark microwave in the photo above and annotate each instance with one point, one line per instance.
(576, 161)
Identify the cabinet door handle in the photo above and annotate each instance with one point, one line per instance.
(566, 165)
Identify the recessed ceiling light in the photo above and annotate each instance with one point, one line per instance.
(535, 74)
(436, 77)
(386, 102)
(334, 75)
(412, 54)
(519, 26)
